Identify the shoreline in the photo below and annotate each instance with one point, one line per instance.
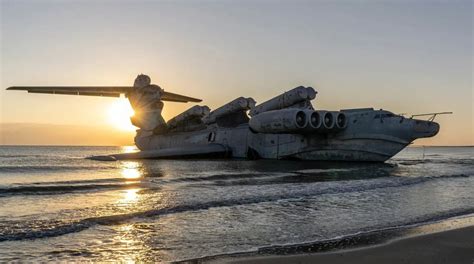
(446, 241)
(453, 246)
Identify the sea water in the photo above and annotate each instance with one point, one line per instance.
(55, 205)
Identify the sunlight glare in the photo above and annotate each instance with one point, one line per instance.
(119, 114)
(131, 195)
(129, 149)
(130, 173)
(130, 170)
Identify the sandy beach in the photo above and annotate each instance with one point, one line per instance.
(453, 246)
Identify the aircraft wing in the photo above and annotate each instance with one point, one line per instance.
(108, 91)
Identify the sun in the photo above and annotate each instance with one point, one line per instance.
(119, 113)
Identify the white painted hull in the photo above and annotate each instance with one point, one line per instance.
(364, 140)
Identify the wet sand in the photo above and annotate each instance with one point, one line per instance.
(453, 246)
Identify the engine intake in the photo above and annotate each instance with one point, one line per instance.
(340, 120)
(325, 121)
(315, 120)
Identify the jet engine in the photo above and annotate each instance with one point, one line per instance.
(315, 121)
(340, 120)
(325, 121)
(328, 120)
(279, 121)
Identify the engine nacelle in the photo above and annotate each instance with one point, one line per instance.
(279, 121)
(287, 99)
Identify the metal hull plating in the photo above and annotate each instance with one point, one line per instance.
(368, 138)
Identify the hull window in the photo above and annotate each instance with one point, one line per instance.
(211, 137)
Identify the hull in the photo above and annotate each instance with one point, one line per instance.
(361, 150)
(242, 143)
(367, 138)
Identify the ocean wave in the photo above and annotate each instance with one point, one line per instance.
(221, 177)
(19, 156)
(23, 231)
(60, 189)
(434, 161)
(366, 237)
(330, 170)
(59, 168)
(257, 175)
(92, 181)
(341, 176)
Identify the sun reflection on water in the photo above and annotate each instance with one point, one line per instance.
(131, 173)
(128, 246)
(130, 196)
(130, 170)
(128, 149)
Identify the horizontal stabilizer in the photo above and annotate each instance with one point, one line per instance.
(107, 91)
(206, 151)
(172, 97)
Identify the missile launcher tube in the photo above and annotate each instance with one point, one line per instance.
(239, 104)
(285, 100)
(195, 111)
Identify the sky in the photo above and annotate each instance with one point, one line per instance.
(404, 56)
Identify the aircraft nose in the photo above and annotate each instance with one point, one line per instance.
(425, 128)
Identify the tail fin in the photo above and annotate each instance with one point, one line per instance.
(145, 98)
